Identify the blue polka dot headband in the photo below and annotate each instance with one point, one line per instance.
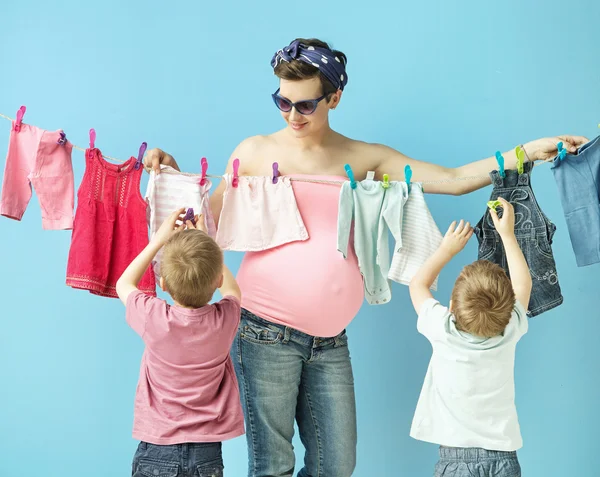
(332, 66)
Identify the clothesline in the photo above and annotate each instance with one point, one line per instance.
(320, 181)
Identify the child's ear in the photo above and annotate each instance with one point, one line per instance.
(220, 282)
(450, 306)
(161, 283)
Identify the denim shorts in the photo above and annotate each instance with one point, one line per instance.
(472, 461)
(178, 460)
(534, 233)
(578, 179)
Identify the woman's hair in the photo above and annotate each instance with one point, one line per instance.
(297, 70)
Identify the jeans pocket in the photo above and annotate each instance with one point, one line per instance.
(260, 333)
(542, 246)
(151, 468)
(487, 248)
(210, 469)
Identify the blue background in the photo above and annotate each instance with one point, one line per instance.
(447, 82)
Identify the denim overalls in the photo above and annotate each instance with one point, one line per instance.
(533, 231)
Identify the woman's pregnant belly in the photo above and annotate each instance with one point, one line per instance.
(306, 285)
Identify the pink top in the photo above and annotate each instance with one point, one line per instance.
(306, 285)
(187, 391)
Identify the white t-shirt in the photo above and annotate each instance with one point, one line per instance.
(468, 397)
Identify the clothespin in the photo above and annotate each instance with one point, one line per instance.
(92, 138)
(386, 181)
(350, 174)
(500, 159)
(562, 152)
(407, 175)
(520, 159)
(275, 172)
(62, 140)
(140, 157)
(19, 120)
(493, 204)
(236, 167)
(204, 167)
(189, 215)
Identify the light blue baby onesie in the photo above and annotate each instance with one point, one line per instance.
(375, 211)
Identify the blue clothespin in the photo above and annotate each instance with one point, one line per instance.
(562, 152)
(407, 175)
(350, 174)
(500, 160)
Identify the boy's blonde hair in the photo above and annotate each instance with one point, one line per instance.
(191, 266)
(483, 299)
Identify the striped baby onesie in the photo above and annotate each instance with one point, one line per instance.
(421, 237)
(171, 190)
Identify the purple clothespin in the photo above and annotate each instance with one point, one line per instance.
(62, 140)
(140, 157)
(189, 215)
(275, 172)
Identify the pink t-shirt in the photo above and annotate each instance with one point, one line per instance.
(187, 391)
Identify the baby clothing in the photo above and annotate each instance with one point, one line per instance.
(468, 396)
(110, 226)
(187, 391)
(534, 233)
(374, 211)
(259, 215)
(171, 190)
(578, 179)
(421, 237)
(42, 160)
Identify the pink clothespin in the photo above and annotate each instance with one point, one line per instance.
(92, 138)
(19, 120)
(140, 157)
(275, 172)
(204, 166)
(236, 167)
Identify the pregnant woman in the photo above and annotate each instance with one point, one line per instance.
(291, 353)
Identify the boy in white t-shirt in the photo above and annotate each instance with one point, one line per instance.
(467, 404)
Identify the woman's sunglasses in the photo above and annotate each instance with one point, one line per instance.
(304, 107)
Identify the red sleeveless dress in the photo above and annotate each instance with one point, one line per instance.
(110, 227)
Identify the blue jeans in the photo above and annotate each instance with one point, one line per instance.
(178, 460)
(284, 375)
(475, 462)
(578, 180)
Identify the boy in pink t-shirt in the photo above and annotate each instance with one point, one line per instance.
(187, 398)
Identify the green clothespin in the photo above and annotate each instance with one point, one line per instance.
(520, 159)
(493, 204)
(386, 181)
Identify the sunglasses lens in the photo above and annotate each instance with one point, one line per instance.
(306, 107)
(282, 103)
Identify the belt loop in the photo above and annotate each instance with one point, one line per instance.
(287, 333)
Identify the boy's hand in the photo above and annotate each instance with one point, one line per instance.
(456, 237)
(505, 226)
(169, 227)
(200, 225)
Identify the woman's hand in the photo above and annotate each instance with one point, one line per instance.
(155, 157)
(545, 148)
